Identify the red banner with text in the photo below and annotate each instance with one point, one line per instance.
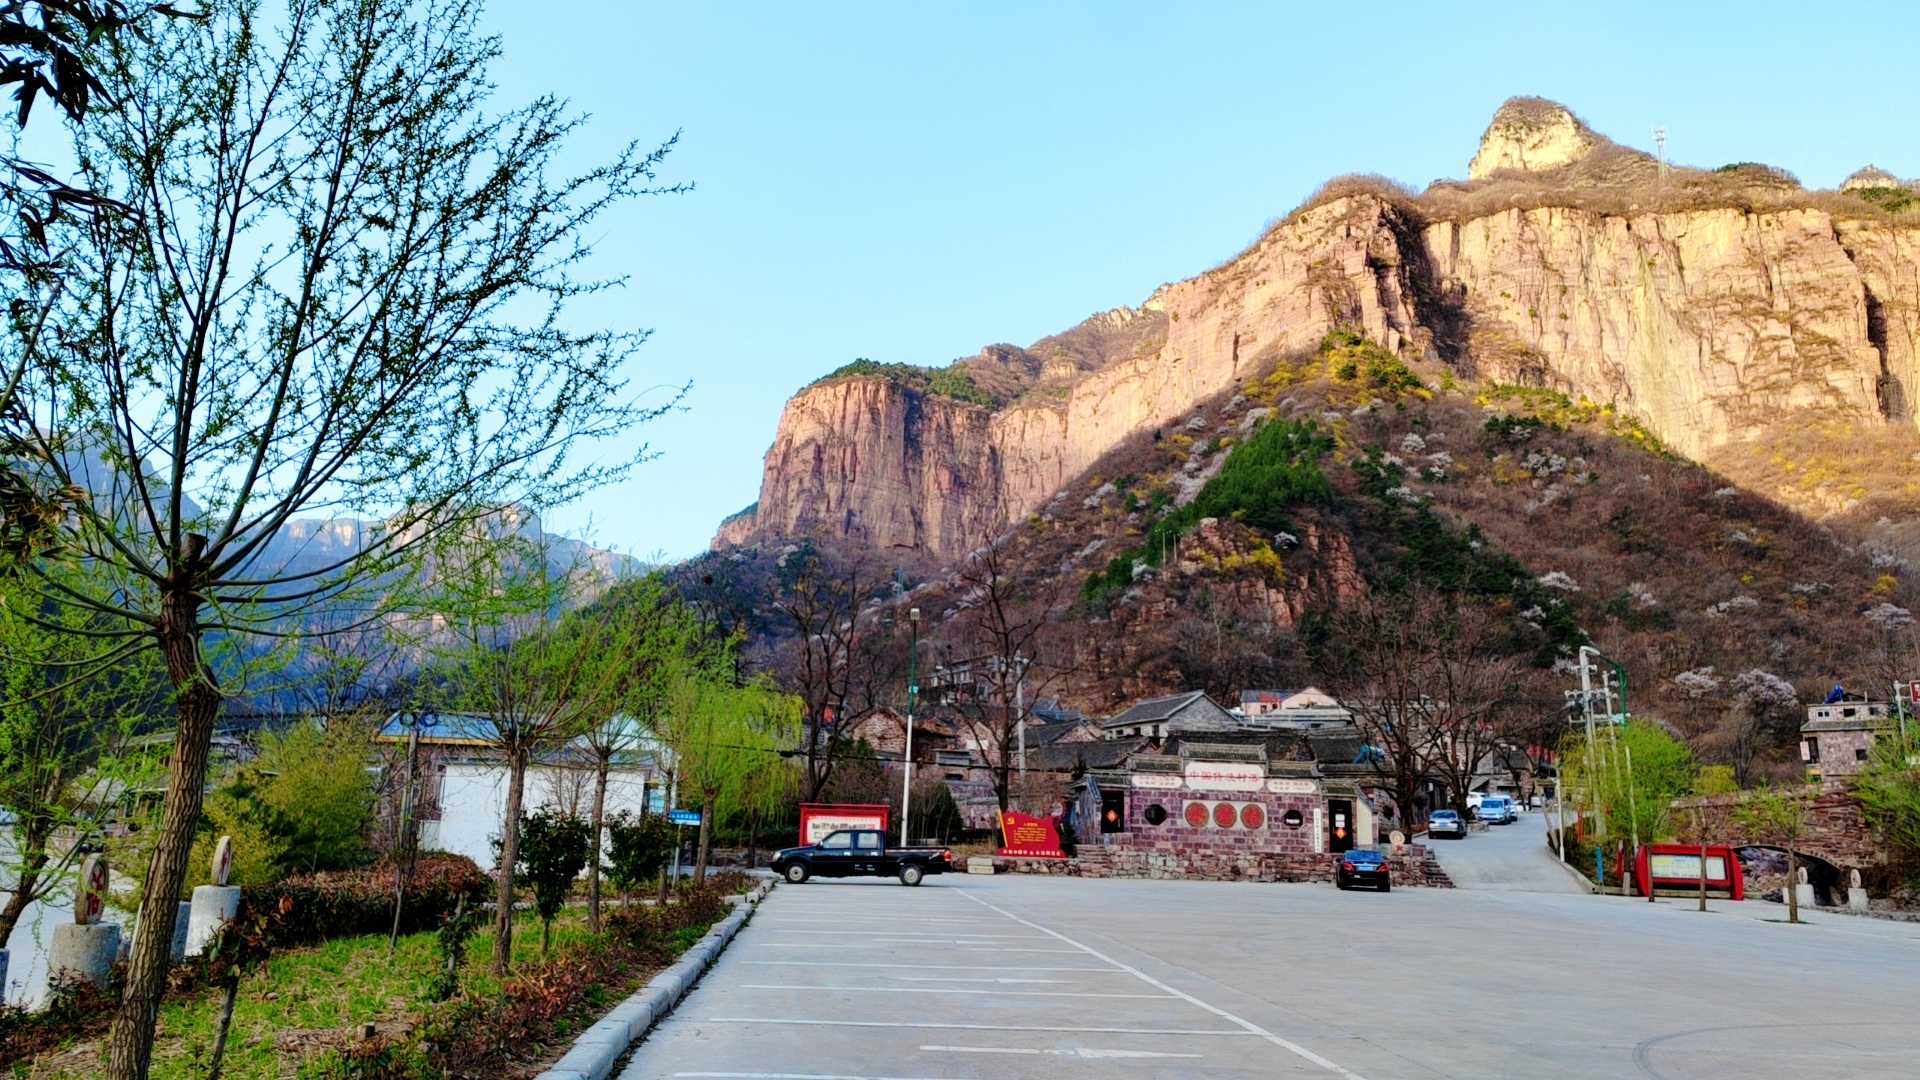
(1029, 837)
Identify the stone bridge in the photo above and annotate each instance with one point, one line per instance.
(1834, 833)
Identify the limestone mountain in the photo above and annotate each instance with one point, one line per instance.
(1765, 330)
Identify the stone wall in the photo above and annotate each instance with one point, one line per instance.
(1835, 831)
(1192, 859)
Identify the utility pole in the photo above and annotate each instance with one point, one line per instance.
(913, 689)
(1660, 151)
(1020, 713)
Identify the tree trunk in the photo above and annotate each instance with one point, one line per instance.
(196, 704)
(753, 839)
(593, 860)
(34, 842)
(1703, 874)
(1793, 887)
(222, 1024)
(509, 854)
(700, 854)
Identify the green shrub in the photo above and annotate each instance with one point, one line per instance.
(335, 903)
(554, 848)
(303, 804)
(637, 849)
(1351, 358)
(953, 381)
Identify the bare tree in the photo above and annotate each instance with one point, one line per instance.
(1009, 635)
(1474, 687)
(340, 291)
(1378, 664)
(828, 664)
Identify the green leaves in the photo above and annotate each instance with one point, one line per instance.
(553, 851)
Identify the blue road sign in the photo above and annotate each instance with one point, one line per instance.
(684, 817)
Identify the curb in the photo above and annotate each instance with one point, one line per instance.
(598, 1047)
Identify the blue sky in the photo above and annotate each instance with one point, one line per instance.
(910, 183)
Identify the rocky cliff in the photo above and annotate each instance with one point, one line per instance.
(1716, 307)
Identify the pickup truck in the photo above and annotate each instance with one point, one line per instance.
(860, 853)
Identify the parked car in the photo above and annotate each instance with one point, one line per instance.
(1362, 867)
(1498, 810)
(1445, 823)
(860, 853)
(1474, 799)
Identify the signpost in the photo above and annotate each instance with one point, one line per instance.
(679, 818)
(1029, 837)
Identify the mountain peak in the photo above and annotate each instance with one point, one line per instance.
(1532, 134)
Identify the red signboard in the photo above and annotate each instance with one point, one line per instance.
(1913, 691)
(1675, 868)
(1029, 837)
(819, 819)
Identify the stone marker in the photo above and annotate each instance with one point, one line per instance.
(85, 949)
(1399, 841)
(980, 864)
(1802, 891)
(1856, 896)
(215, 905)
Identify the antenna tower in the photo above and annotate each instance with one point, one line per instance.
(1660, 150)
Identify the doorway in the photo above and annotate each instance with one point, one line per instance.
(1339, 825)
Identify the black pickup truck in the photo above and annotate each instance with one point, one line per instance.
(860, 853)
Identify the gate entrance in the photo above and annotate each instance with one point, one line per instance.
(1113, 811)
(1339, 825)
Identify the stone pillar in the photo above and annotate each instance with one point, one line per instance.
(1802, 891)
(213, 907)
(82, 952)
(1856, 896)
(182, 923)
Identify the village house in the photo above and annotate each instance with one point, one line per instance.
(1838, 736)
(1156, 718)
(461, 780)
(1307, 709)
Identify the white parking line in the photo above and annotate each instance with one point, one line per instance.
(979, 979)
(923, 967)
(979, 1027)
(827, 945)
(803, 1076)
(957, 990)
(1072, 1051)
(1250, 1027)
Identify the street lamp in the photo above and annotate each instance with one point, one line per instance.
(913, 690)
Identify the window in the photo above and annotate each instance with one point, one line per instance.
(1859, 753)
(867, 841)
(1849, 712)
(1810, 749)
(839, 841)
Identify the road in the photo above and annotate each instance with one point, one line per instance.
(1021, 978)
(1505, 857)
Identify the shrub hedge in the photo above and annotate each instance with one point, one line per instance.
(311, 908)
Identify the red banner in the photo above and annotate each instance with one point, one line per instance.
(1029, 837)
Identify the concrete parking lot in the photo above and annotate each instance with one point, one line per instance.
(1028, 977)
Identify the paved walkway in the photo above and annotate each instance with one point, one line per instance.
(1512, 857)
(1024, 978)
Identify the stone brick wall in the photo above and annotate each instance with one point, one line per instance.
(1191, 859)
(1272, 836)
(1835, 831)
